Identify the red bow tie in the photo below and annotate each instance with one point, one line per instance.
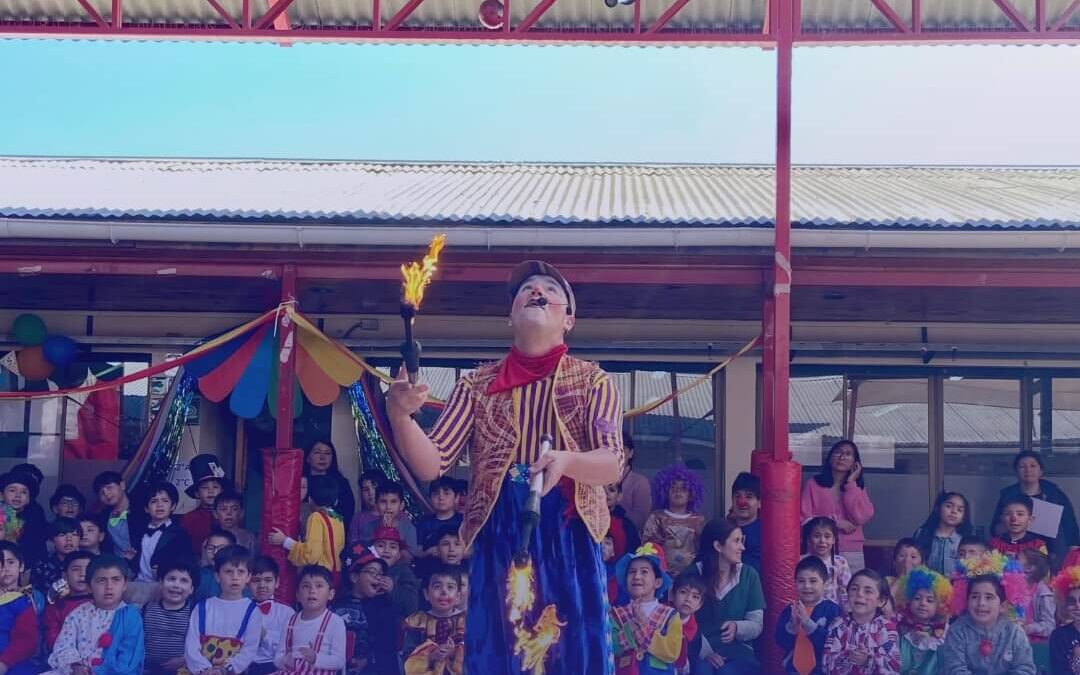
(264, 607)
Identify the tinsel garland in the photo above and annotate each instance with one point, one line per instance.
(154, 459)
(374, 450)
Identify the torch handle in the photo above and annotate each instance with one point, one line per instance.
(536, 482)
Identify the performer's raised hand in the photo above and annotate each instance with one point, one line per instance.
(404, 399)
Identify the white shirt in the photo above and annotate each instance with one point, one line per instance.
(331, 654)
(273, 630)
(223, 619)
(149, 545)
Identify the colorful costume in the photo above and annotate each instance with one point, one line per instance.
(222, 632)
(109, 641)
(648, 636)
(878, 637)
(678, 533)
(1011, 548)
(426, 632)
(18, 633)
(921, 641)
(578, 405)
(324, 543)
(52, 620)
(814, 629)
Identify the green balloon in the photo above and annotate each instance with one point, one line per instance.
(29, 330)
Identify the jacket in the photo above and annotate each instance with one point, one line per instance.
(965, 646)
(174, 544)
(854, 506)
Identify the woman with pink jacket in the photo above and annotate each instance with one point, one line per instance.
(838, 492)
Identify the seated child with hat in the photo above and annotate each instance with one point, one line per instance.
(647, 635)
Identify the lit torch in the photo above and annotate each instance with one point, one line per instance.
(415, 278)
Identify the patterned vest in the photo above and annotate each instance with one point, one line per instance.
(495, 438)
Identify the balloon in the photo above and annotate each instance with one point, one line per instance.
(32, 363)
(29, 330)
(60, 350)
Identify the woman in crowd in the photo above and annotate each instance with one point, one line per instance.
(838, 492)
(321, 460)
(1029, 470)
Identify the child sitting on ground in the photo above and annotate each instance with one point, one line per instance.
(863, 642)
(1016, 518)
(820, 538)
(925, 605)
(443, 494)
(104, 635)
(676, 526)
(18, 620)
(325, 531)
(166, 619)
(803, 625)
(1065, 640)
(224, 631)
(92, 536)
(745, 507)
(400, 583)
(435, 638)
(67, 502)
(314, 639)
(265, 575)
(688, 595)
(647, 635)
(74, 592)
(64, 534)
(229, 515)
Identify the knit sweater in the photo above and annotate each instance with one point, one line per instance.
(1001, 649)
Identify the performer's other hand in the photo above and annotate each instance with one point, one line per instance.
(553, 464)
(403, 399)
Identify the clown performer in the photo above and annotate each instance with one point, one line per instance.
(501, 411)
(924, 600)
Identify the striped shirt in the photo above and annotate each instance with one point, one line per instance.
(166, 630)
(534, 413)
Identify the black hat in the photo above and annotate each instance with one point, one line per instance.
(531, 268)
(21, 477)
(30, 469)
(205, 467)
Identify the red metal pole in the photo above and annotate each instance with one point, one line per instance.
(781, 307)
(287, 363)
(768, 370)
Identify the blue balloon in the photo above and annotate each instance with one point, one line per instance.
(59, 350)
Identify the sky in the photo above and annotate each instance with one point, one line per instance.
(859, 105)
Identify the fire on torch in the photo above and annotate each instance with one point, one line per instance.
(415, 278)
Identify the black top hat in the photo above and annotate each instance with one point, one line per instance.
(22, 477)
(205, 467)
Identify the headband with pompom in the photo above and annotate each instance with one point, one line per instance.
(1067, 580)
(925, 578)
(994, 563)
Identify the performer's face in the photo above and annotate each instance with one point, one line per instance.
(527, 314)
(641, 580)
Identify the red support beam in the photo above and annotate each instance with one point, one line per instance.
(1065, 16)
(286, 365)
(667, 16)
(637, 16)
(1040, 15)
(395, 22)
(541, 7)
(768, 369)
(117, 14)
(223, 14)
(245, 12)
(506, 16)
(916, 16)
(889, 13)
(98, 19)
(1014, 15)
(376, 15)
(272, 14)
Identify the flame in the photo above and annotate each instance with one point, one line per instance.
(417, 275)
(533, 644)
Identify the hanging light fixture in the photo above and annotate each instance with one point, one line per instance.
(491, 14)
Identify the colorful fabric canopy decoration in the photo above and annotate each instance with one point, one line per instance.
(244, 369)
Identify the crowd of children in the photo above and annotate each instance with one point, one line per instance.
(136, 589)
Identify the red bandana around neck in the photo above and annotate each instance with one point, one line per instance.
(517, 369)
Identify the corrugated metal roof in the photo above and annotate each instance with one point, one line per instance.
(713, 16)
(497, 193)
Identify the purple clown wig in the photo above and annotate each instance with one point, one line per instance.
(661, 486)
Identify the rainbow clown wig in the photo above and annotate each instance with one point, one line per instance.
(1008, 570)
(922, 578)
(664, 478)
(1067, 580)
